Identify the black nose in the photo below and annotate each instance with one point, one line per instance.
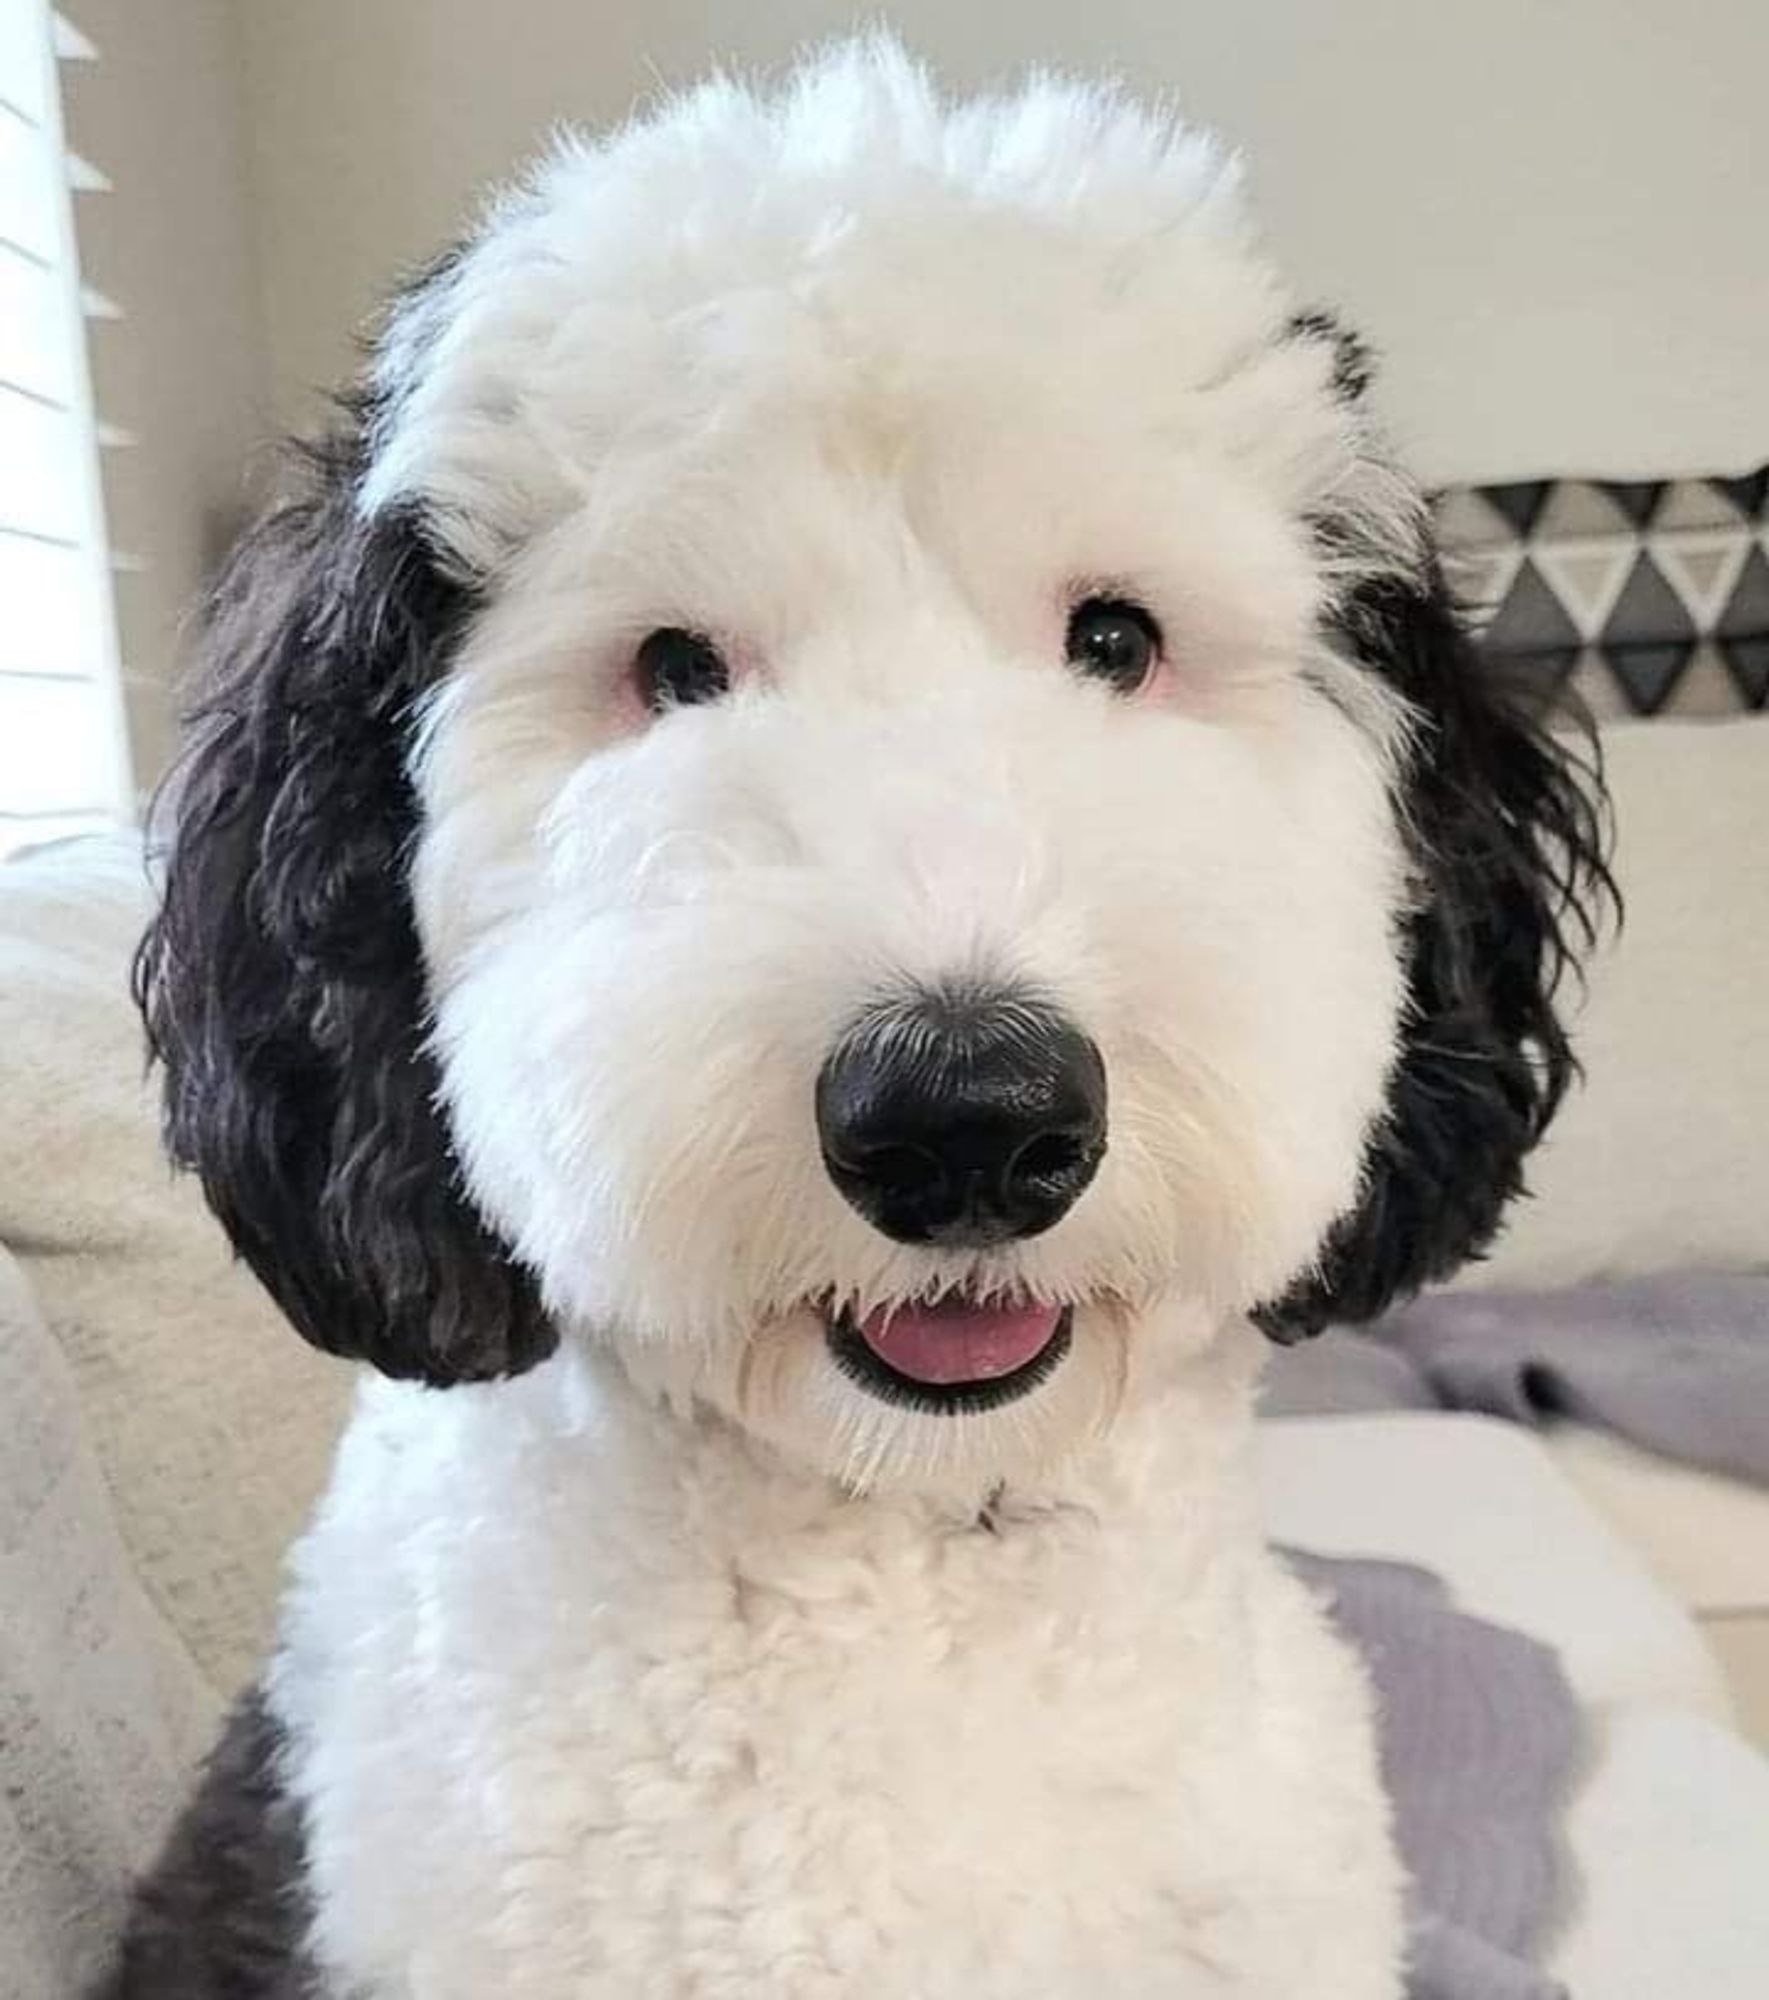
(963, 1119)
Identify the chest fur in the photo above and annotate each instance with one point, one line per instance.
(548, 1756)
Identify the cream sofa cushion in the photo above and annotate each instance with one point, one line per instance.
(102, 1710)
(212, 1421)
(1661, 1161)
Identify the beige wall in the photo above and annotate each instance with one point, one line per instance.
(162, 113)
(1549, 212)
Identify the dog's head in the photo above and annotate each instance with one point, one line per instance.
(857, 771)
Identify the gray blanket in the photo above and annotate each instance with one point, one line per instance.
(1678, 1364)
(1479, 1737)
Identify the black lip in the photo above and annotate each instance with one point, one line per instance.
(873, 1373)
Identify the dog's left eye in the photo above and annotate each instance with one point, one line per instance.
(1115, 641)
(677, 668)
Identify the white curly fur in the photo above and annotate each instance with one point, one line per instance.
(684, 1666)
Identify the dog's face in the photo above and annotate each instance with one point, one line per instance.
(859, 777)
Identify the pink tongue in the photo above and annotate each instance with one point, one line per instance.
(955, 1341)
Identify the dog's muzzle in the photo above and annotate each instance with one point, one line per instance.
(962, 1119)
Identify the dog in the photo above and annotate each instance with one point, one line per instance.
(847, 843)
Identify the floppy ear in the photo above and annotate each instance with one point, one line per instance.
(1354, 366)
(1507, 824)
(282, 982)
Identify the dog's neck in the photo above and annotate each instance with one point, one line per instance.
(1176, 1454)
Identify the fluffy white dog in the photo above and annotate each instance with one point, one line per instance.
(851, 832)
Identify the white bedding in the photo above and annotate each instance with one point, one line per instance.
(1668, 1834)
(1480, 1502)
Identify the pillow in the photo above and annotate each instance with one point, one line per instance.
(212, 1422)
(1650, 595)
(1661, 1160)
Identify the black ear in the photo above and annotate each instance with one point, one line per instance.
(1354, 367)
(282, 982)
(1507, 822)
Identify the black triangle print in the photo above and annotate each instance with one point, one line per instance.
(1747, 494)
(1747, 610)
(1637, 498)
(1521, 502)
(1747, 661)
(1533, 680)
(1648, 673)
(1648, 611)
(1555, 668)
(1530, 620)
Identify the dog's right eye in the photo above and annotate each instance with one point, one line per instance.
(677, 668)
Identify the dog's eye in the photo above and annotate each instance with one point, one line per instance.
(677, 668)
(1114, 641)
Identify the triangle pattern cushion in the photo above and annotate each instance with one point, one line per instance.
(1629, 586)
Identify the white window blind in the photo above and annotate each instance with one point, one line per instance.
(63, 751)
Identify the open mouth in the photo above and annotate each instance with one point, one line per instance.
(953, 1353)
